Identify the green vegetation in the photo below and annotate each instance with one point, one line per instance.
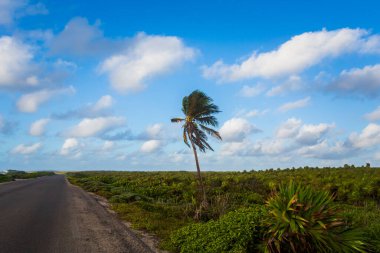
(303, 220)
(199, 112)
(164, 203)
(12, 175)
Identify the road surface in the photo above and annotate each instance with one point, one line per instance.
(48, 215)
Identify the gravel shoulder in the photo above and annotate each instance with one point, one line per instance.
(100, 229)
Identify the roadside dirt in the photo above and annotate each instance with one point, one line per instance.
(98, 228)
(150, 240)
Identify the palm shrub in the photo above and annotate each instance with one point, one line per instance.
(303, 220)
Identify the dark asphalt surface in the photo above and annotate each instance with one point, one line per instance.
(49, 215)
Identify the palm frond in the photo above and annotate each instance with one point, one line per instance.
(198, 109)
(208, 120)
(185, 140)
(211, 132)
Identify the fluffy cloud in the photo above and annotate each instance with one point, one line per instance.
(92, 127)
(146, 57)
(236, 129)
(266, 147)
(297, 54)
(79, 38)
(15, 63)
(98, 109)
(255, 113)
(38, 127)
(294, 105)
(235, 148)
(369, 137)
(292, 84)
(305, 134)
(70, 146)
(364, 81)
(150, 146)
(6, 127)
(108, 145)
(9, 9)
(310, 134)
(25, 149)
(323, 150)
(373, 116)
(154, 131)
(289, 128)
(372, 45)
(104, 102)
(30, 102)
(251, 91)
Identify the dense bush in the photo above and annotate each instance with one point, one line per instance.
(5, 178)
(19, 174)
(238, 231)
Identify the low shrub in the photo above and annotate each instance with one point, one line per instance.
(237, 231)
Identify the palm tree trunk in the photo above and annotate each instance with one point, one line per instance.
(199, 171)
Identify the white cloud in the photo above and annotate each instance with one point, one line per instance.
(6, 127)
(373, 116)
(255, 113)
(270, 147)
(70, 146)
(323, 150)
(15, 63)
(30, 102)
(311, 134)
(235, 148)
(79, 38)
(289, 128)
(104, 102)
(38, 127)
(364, 81)
(25, 149)
(108, 145)
(305, 134)
(236, 129)
(10, 9)
(150, 146)
(369, 137)
(92, 127)
(7, 9)
(155, 131)
(93, 110)
(294, 105)
(295, 55)
(372, 45)
(292, 84)
(146, 57)
(266, 147)
(251, 91)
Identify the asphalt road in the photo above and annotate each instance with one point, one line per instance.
(48, 215)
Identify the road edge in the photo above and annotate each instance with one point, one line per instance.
(149, 240)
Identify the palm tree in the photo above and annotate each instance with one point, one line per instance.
(198, 109)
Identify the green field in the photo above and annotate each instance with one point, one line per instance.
(17, 174)
(164, 203)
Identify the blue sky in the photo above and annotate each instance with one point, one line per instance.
(90, 85)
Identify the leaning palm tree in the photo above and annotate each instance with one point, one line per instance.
(198, 109)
